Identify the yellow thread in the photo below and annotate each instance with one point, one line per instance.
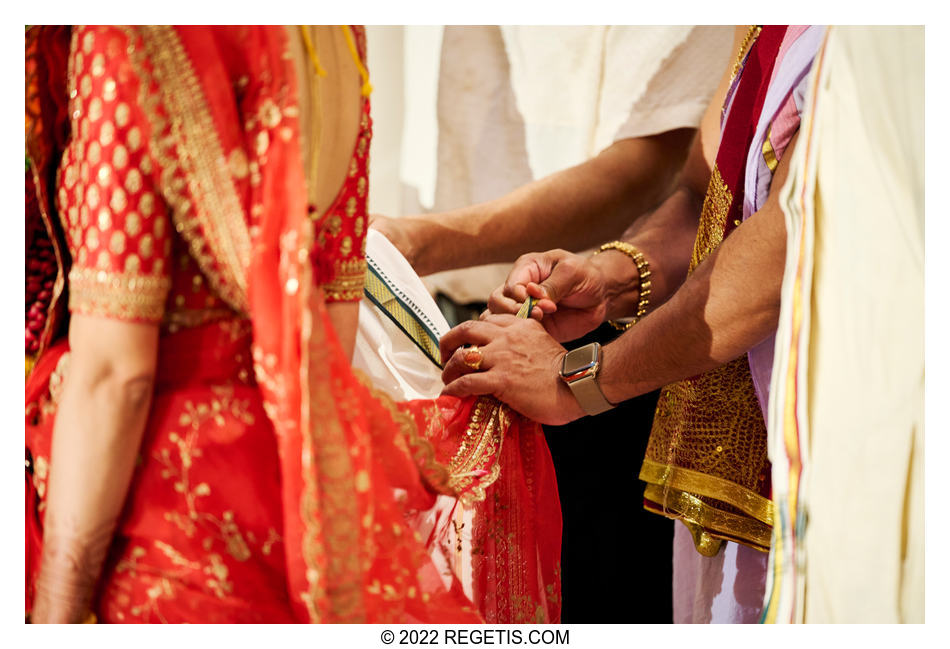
(367, 87)
(311, 51)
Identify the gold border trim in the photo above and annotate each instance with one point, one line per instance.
(214, 217)
(437, 475)
(687, 480)
(482, 445)
(716, 524)
(347, 282)
(119, 295)
(477, 463)
(389, 302)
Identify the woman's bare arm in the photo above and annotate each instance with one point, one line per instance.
(99, 426)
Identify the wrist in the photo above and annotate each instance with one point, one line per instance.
(405, 235)
(613, 391)
(580, 372)
(569, 408)
(621, 281)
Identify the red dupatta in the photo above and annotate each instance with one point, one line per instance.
(353, 464)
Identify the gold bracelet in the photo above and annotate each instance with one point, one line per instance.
(643, 281)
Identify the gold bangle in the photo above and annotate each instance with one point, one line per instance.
(644, 285)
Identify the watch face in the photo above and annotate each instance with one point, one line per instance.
(581, 359)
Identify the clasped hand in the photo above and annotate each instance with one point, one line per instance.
(521, 358)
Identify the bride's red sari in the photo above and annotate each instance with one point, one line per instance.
(273, 484)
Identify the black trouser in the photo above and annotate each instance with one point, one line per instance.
(617, 558)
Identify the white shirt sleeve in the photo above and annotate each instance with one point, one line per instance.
(680, 85)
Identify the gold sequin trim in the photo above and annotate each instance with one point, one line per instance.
(119, 295)
(480, 451)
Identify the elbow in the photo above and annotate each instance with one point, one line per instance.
(126, 385)
(135, 391)
(130, 391)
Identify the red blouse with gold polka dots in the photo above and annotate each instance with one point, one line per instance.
(128, 261)
(115, 221)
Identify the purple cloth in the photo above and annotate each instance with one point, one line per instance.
(779, 120)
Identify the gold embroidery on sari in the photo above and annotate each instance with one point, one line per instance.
(497, 560)
(40, 477)
(335, 490)
(162, 588)
(177, 319)
(166, 582)
(329, 509)
(206, 209)
(49, 403)
(195, 416)
(477, 464)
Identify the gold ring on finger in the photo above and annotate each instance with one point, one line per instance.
(472, 357)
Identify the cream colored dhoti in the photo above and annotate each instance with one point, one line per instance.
(846, 409)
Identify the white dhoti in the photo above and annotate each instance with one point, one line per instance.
(846, 410)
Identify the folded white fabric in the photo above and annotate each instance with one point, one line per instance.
(399, 326)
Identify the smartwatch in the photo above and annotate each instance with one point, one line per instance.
(579, 370)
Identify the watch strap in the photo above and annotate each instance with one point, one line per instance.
(589, 396)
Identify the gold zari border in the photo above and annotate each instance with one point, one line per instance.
(477, 463)
(434, 472)
(715, 524)
(467, 475)
(347, 283)
(708, 485)
(118, 295)
(206, 210)
(390, 303)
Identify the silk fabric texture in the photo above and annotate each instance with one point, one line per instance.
(301, 480)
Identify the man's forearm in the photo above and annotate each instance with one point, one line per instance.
(728, 305)
(665, 237)
(575, 208)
